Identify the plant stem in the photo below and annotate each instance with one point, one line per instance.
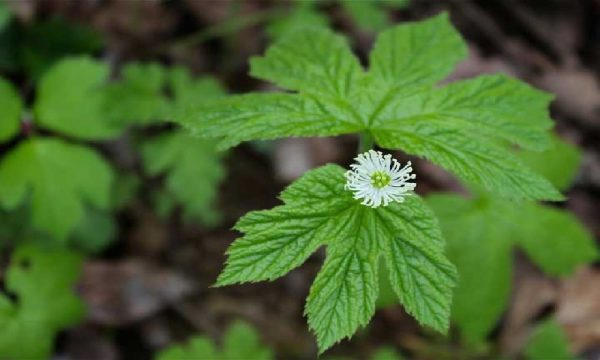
(366, 142)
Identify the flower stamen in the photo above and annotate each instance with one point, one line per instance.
(379, 179)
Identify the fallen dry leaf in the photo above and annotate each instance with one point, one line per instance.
(119, 293)
(579, 308)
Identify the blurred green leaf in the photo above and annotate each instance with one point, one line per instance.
(483, 231)
(43, 282)
(61, 178)
(562, 169)
(94, 232)
(240, 342)
(548, 341)
(481, 235)
(302, 14)
(44, 43)
(138, 97)
(11, 107)
(372, 14)
(68, 101)
(193, 170)
(187, 91)
(386, 353)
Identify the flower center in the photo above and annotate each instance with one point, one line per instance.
(380, 179)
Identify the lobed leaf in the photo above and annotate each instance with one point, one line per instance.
(457, 126)
(482, 234)
(137, 97)
(314, 60)
(416, 54)
(62, 179)
(68, 100)
(43, 281)
(318, 211)
(193, 169)
(240, 342)
(241, 118)
(563, 167)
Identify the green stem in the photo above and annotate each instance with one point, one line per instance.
(234, 24)
(366, 142)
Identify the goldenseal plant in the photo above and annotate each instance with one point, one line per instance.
(370, 213)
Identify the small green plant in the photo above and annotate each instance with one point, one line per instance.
(40, 302)
(482, 232)
(67, 105)
(370, 213)
(240, 341)
(192, 167)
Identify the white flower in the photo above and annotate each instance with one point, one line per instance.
(378, 179)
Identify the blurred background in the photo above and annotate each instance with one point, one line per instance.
(147, 261)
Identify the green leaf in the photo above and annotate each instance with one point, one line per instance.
(415, 54)
(302, 15)
(479, 244)
(386, 353)
(313, 60)
(198, 347)
(474, 159)
(561, 171)
(554, 239)
(44, 43)
(68, 100)
(462, 127)
(371, 15)
(235, 119)
(188, 91)
(94, 233)
(12, 106)
(318, 211)
(240, 342)
(481, 235)
(138, 96)
(193, 169)
(366, 14)
(43, 282)
(243, 342)
(548, 341)
(61, 177)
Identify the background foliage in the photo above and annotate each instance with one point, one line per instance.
(114, 219)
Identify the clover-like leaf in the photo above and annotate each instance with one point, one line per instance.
(12, 106)
(62, 178)
(241, 341)
(317, 211)
(193, 169)
(459, 126)
(69, 101)
(42, 282)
